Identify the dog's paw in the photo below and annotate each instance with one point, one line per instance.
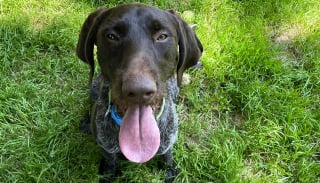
(105, 180)
(85, 125)
(108, 169)
(171, 174)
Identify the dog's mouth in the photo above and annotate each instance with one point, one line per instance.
(139, 136)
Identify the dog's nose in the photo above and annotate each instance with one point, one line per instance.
(139, 89)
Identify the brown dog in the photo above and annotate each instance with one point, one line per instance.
(142, 53)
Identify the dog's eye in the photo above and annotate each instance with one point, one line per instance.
(112, 37)
(162, 37)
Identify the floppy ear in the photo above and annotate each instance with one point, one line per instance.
(87, 38)
(190, 47)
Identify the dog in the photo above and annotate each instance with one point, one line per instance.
(142, 52)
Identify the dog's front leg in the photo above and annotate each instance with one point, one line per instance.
(108, 167)
(166, 161)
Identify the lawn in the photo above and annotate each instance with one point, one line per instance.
(250, 114)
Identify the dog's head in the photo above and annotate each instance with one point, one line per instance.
(139, 48)
(125, 31)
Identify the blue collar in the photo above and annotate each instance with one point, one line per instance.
(118, 119)
(115, 116)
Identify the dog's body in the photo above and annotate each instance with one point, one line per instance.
(142, 52)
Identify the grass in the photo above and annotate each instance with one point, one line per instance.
(250, 115)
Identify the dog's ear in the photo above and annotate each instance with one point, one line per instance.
(190, 47)
(87, 38)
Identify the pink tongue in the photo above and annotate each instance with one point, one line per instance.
(139, 136)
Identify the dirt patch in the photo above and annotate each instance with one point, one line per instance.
(287, 35)
(284, 38)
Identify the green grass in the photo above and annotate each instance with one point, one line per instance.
(250, 115)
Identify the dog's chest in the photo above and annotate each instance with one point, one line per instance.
(107, 130)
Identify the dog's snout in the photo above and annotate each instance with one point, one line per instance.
(139, 89)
